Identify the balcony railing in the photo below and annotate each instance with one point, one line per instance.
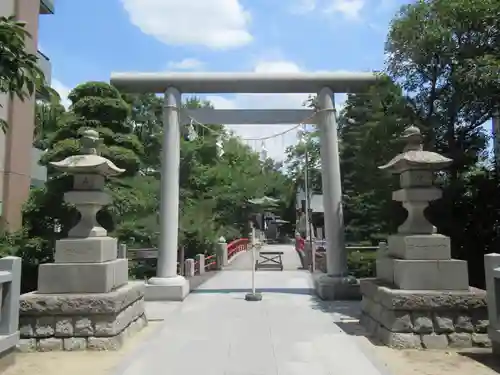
(46, 6)
(46, 66)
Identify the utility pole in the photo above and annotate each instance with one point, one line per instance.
(308, 203)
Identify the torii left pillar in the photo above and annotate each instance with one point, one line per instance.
(168, 285)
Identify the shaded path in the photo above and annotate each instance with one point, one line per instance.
(216, 332)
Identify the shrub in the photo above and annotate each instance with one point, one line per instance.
(361, 264)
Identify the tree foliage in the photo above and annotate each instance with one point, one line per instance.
(20, 74)
(370, 125)
(446, 55)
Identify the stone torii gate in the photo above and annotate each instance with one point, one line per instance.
(167, 285)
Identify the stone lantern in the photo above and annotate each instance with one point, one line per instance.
(421, 297)
(416, 250)
(89, 171)
(84, 299)
(88, 257)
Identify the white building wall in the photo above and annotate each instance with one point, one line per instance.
(7, 7)
(38, 172)
(316, 201)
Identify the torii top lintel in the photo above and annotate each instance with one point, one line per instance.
(232, 82)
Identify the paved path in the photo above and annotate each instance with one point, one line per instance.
(216, 332)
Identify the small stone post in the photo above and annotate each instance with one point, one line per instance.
(222, 256)
(492, 277)
(189, 267)
(200, 258)
(9, 302)
(122, 251)
(181, 261)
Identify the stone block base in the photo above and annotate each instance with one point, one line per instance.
(451, 274)
(82, 277)
(336, 288)
(8, 341)
(167, 289)
(406, 319)
(101, 321)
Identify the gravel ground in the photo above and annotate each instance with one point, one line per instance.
(76, 363)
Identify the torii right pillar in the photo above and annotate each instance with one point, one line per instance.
(335, 285)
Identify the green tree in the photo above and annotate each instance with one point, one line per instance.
(49, 117)
(296, 160)
(20, 74)
(146, 121)
(370, 126)
(446, 54)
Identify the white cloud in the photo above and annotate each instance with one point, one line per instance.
(389, 5)
(275, 146)
(279, 66)
(186, 64)
(63, 92)
(351, 9)
(302, 6)
(217, 24)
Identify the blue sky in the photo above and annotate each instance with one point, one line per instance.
(87, 40)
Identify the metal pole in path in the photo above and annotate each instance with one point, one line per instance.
(309, 231)
(253, 296)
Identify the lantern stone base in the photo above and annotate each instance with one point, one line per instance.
(90, 321)
(174, 288)
(422, 262)
(434, 319)
(331, 288)
(451, 274)
(82, 277)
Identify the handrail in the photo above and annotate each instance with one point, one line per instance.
(210, 262)
(301, 245)
(43, 55)
(236, 246)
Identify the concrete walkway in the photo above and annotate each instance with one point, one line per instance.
(216, 332)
